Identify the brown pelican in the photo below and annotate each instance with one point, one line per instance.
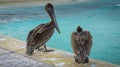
(38, 36)
(81, 42)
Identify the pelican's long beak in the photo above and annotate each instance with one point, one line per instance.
(55, 23)
(52, 15)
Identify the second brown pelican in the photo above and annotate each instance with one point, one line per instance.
(81, 42)
(38, 36)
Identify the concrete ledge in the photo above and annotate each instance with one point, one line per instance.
(57, 58)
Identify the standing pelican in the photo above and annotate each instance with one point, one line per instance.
(38, 36)
(81, 42)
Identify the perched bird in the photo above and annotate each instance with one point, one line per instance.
(38, 36)
(81, 42)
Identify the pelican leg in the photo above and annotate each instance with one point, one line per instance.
(47, 50)
(76, 60)
(86, 60)
(39, 48)
(80, 58)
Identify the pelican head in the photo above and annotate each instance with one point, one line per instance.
(79, 29)
(50, 10)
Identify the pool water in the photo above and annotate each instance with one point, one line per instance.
(102, 20)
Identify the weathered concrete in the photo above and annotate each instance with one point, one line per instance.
(11, 59)
(57, 58)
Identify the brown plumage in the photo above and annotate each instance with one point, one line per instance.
(81, 42)
(38, 36)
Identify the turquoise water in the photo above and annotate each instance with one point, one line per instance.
(101, 19)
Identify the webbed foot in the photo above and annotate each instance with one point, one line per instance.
(51, 50)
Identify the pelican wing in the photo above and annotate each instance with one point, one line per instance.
(74, 42)
(88, 43)
(77, 47)
(34, 31)
(37, 31)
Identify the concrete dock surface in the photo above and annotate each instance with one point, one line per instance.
(12, 54)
